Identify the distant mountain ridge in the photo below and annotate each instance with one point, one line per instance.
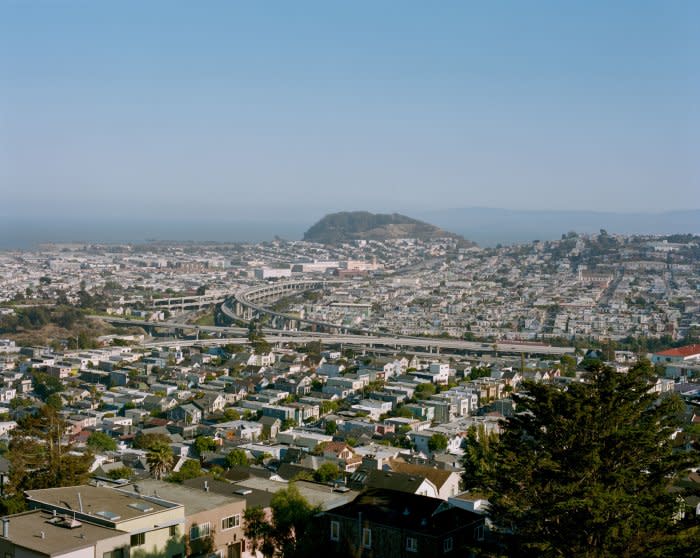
(347, 226)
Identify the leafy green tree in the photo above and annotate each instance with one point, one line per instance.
(203, 444)
(303, 475)
(121, 473)
(326, 472)
(19, 401)
(236, 457)
(40, 457)
(584, 470)
(424, 391)
(99, 441)
(191, 469)
(86, 340)
(45, 385)
(331, 427)
(289, 533)
(403, 412)
(150, 440)
(291, 520)
(568, 364)
(258, 531)
(54, 400)
(287, 424)
(437, 442)
(479, 372)
(232, 414)
(328, 406)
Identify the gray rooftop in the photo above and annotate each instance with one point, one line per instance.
(194, 500)
(101, 503)
(26, 530)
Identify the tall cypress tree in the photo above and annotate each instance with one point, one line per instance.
(584, 470)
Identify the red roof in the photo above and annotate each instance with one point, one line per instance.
(687, 351)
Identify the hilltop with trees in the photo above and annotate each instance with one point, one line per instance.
(347, 226)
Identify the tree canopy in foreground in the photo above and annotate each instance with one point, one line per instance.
(585, 469)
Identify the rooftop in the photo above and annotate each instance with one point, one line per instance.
(35, 530)
(686, 351)
(413, 512)
(194, 500)
(437, 476)
(100, 503)
(252, 496)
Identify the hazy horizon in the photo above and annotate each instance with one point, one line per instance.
(141, 110)
(485, 226)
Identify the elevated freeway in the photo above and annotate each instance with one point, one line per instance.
(190, 302)
(250, 303)
(426, 343)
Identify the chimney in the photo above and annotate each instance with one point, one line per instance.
(206, 486)
(42, 535)
(5, 528)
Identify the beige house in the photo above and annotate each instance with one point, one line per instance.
(155, 525)
(213, 521)
(39, 533)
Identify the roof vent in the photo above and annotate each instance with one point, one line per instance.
(71, 523)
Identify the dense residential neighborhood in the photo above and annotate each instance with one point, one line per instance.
(151, 406)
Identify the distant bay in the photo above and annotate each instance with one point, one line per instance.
(485, 226)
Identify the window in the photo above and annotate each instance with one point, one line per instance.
(367, 538)
(138, 539)
(479, 533)
(173, 531)
(200, 531)
(411, 544)
(335, 531)
(116, 553)
(447, 544)
(230, 522)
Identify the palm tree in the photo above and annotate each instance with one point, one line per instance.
(160, 461)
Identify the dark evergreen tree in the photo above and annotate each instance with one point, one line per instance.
(585, 470)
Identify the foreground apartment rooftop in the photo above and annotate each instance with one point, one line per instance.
(98, 503)
(45, 533)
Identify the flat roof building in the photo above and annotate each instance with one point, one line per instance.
(213, 521)
(40, 533)
(155, 525)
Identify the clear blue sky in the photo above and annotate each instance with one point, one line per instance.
(308, 107)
